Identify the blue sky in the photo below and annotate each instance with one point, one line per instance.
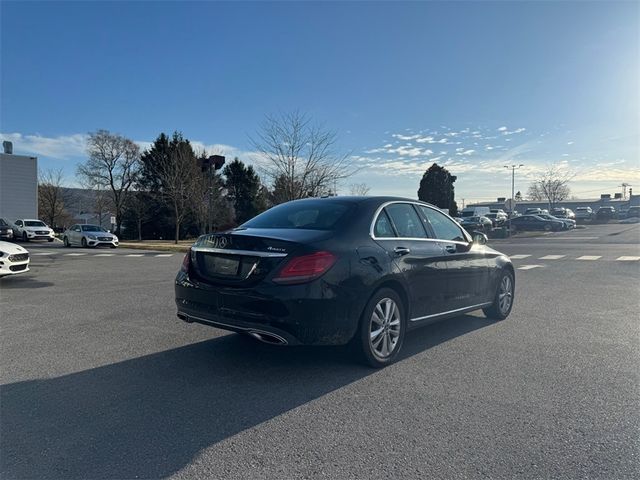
(473, 86)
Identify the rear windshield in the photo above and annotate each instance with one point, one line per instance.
(307, 214)
(34, 224)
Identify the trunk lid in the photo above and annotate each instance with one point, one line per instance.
(243, 257)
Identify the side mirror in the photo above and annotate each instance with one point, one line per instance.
(480, 238)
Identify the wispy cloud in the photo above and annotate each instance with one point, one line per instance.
(63, 147)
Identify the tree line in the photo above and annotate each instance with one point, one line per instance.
(169, 190)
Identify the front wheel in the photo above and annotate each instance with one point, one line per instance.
(24, 237)
(503, 300)
(547, 228)
(382, 329)
(83, 242)
(66, 242)
(50, 240)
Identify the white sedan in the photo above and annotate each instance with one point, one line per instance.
(31, 229)
(13, 259)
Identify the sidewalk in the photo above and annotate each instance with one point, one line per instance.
(161, 245)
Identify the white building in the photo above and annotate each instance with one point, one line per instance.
(18, 185)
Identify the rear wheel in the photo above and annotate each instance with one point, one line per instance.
(503, 300)
(382, 328)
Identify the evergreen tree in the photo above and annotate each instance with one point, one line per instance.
(244, 190)
(436, 188)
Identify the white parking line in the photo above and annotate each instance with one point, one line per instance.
(589, 257)
(529, 267)
(135, 255)
(104, 254)
(518, 257)
(568, 237)
(164, 255)
(45, 253)
(626, 258)
(74, 254)
(552, 257)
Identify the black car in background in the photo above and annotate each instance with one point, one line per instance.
(6, 232)
(535, 222)
(339, 270)
(605, 214)
(477, 223)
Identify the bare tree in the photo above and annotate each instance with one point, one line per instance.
(300, 156)
(113, 164)
(552, 186)
(179, 176)
(51, 196)
(360, 189)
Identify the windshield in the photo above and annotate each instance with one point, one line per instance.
(29, 223)
(92, 228)
(308, 214)
(467, 214)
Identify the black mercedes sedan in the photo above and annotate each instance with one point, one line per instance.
(363, 271)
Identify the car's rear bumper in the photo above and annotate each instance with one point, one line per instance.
(314, 313)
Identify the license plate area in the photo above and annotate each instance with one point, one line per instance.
(224, 266)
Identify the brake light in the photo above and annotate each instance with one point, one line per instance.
(305, 268)
(186, 262)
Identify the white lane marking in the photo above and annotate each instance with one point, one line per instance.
(589, 257)
(518, 257)
(529, 267)
(45, 253)
(627, 258)
(104, 254)
(569, 237)
(552, 257)
(164, 255)
(74, 254)
(135, 255)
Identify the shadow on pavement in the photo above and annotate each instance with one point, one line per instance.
(21, 281)
(149, 416)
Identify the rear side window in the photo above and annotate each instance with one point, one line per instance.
(307, 214)
(443, 227)
(383, 228)
(406, 220)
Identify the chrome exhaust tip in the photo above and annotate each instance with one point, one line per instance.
(266, 337)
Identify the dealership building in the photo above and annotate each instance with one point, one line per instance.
(18, 185)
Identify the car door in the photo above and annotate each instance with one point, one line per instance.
(19, 226)
(400, 230)
(467, 264)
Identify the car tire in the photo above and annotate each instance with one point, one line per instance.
(112, 246)
(83, 242)
(503, 299)
(24, 237)
(385, 314)
(50, 240)
(66, 242)
(547, 227)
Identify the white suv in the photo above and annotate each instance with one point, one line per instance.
(30, 229)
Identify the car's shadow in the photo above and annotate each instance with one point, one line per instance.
(21, 281)
(149, 416)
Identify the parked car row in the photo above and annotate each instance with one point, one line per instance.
(83, 235)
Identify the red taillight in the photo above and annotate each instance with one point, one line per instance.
(305, 268)
(186, 261)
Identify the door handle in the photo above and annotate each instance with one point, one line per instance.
(400, 251)
(450, 248)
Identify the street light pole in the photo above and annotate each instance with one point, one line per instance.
(513, 182)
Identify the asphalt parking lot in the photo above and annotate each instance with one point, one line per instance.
(101, 380)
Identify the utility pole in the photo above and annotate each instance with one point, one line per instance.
(513, 182)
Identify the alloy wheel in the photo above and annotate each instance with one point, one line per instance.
(384, 328)
(505, 295)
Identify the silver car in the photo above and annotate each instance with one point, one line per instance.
(88, 236)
